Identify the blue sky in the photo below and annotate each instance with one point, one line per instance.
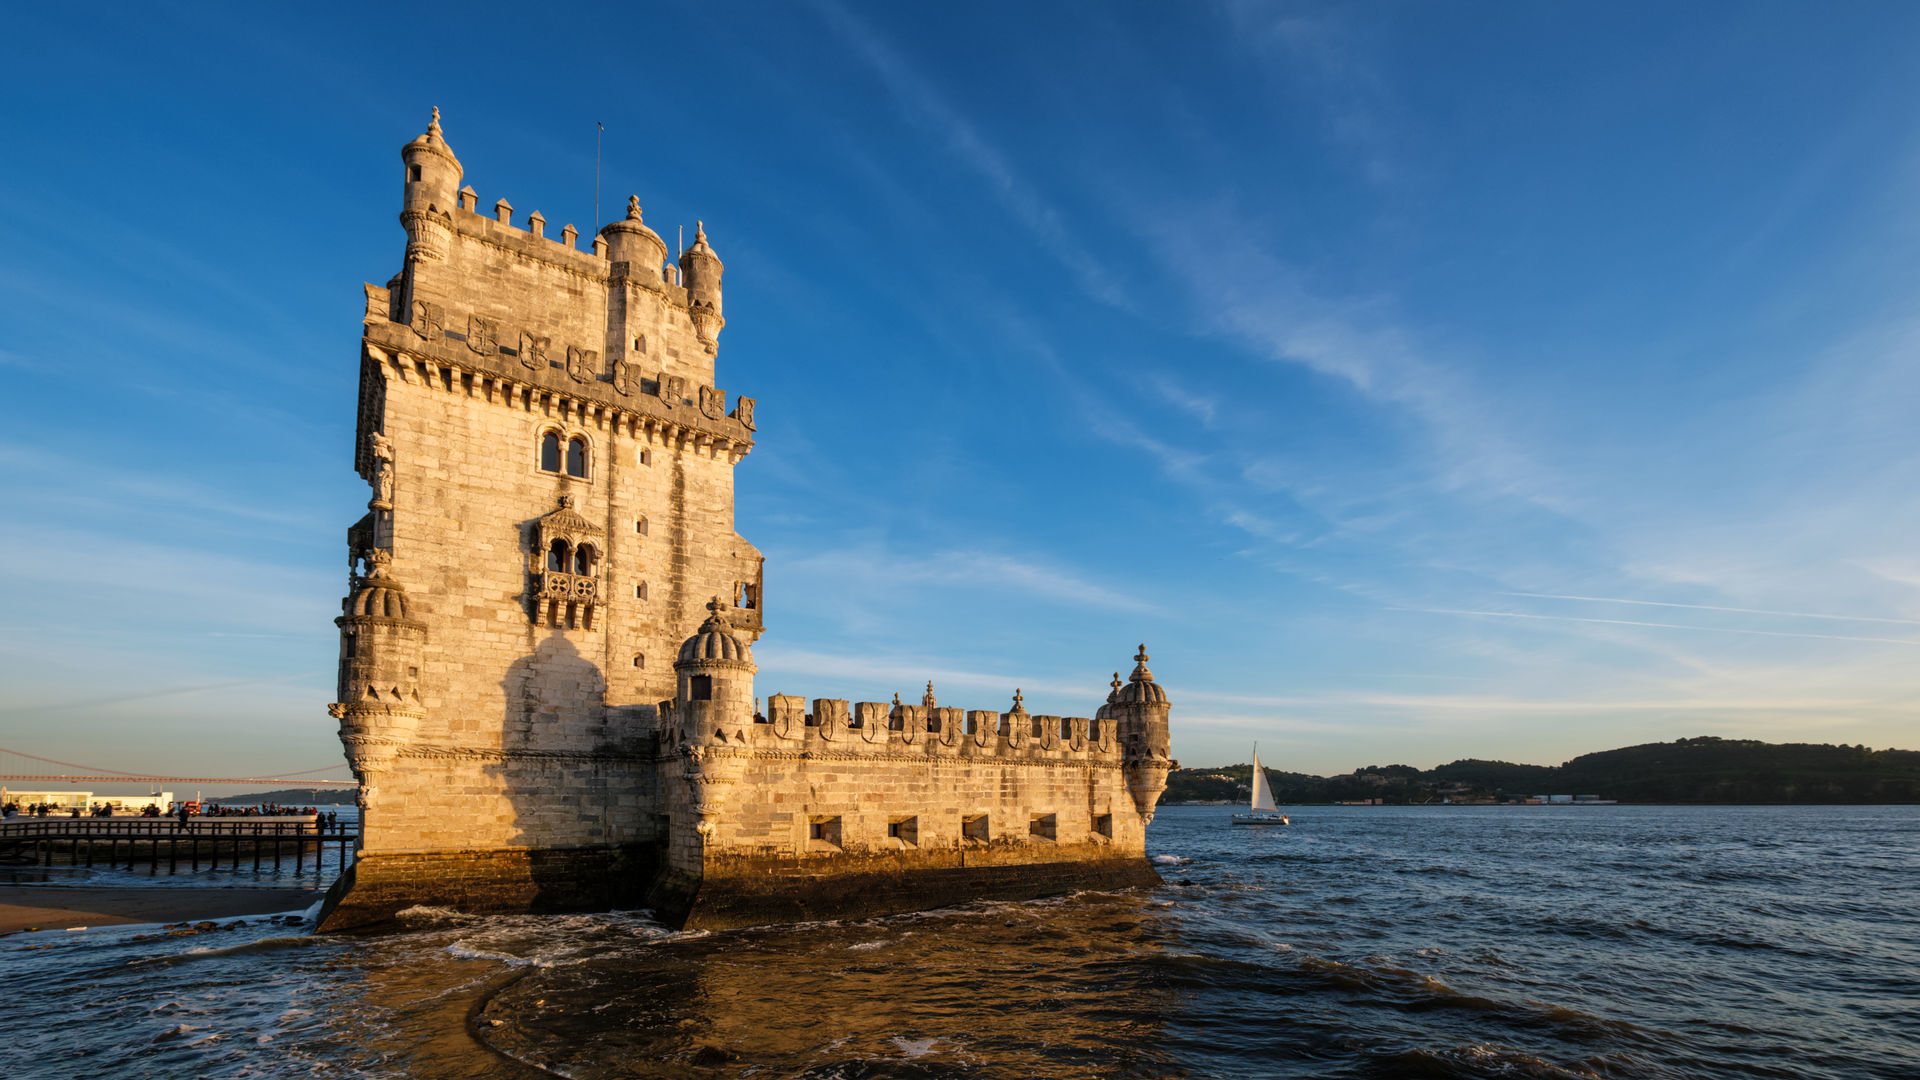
(1419, 381)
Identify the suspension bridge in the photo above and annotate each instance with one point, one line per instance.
(20, 765)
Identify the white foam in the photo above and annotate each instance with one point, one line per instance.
(914, 1048)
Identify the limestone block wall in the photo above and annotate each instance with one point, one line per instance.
(853, 790)
(536, 734)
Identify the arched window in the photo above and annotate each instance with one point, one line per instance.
(550, 451)
(577, 457)
(640, 660)
(557, 560)
(583, 560)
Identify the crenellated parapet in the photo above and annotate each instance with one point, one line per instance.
(465, 269)
(835, 728)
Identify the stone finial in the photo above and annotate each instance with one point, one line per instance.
(569, 234)
(1115, 695)
(503, 212)
(896, 699)
(566, 502)
(927, 698)
(1019, 703)
(1140, 672)
(715, 606)
(633, 208)
(433, 126)
(699, 232)
(537, 222)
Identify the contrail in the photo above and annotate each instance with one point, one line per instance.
(1716, 607)
(1662, 626)
(147, 695)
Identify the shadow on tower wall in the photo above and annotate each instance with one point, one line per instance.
(577, 788)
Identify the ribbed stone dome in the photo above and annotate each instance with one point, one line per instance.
(715, 641)
(1140, 688)
(379, 596)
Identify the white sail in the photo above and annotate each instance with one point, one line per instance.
(1262, 792)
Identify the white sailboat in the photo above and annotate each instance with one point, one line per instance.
(1261, 811)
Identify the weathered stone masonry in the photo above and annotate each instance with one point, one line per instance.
(546, 677)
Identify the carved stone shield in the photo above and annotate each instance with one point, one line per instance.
(743, 412)
(533, 350)
(713, 402)
(429, 320)
(483, 335)
(582, 364)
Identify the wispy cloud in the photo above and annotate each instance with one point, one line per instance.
(927, 108)
(1660, 626)
(1317, 52)
(874, 566)
(906, 673)
(1199, 406)
(149, 695)
(1718, 607)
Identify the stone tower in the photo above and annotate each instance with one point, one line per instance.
(551, 472)
(546, 671)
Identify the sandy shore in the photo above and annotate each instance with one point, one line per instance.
(57, 907)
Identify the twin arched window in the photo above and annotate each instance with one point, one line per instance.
(579, 560)
(574, 454)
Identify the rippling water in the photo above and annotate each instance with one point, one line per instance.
(1360, 942)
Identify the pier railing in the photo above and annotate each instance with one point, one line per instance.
(214, 842)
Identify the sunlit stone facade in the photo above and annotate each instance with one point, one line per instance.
(546, 678)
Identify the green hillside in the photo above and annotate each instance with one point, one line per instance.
(1699, 770)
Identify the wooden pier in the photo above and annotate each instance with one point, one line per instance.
(211, 843)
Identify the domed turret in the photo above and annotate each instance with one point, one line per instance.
(1139, 711)
(433, 173)
(380, 596)
(381, 653)
(715, 670)
(700, 270)
(715, 715)
(1140, 688)
(630, 241)
(715, 642)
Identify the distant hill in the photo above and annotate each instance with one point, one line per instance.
(1699, 770)
(332, 796)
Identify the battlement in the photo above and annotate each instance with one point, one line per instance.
(880, 728)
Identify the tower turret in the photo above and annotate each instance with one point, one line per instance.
(431, 190)
(1140, 710)
(715, 705)
(700, 270)
(381, 650)
(630, 241)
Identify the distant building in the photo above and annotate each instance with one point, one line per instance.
(85, 801)
(546, 679)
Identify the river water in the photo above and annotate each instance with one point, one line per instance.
(1363, 942)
